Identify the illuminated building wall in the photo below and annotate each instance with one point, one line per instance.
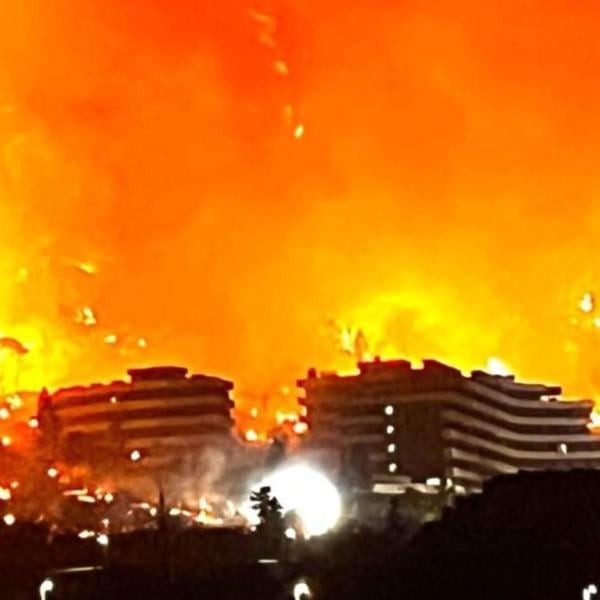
(160, 415)
(398, 426)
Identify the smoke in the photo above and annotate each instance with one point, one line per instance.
(241, 174)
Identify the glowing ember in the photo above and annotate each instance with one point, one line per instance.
(86, 534)
(4, 413)
(5, 494)
(6, 441)
(283, 417)
(33, 423)
(86, 499)
(299, 131)
(251, 435)
(52, 472)
(86, 317)
(300, 428)
(88, 268)
(111, 338)
(15, 402)
(587, 303)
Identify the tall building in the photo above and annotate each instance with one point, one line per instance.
(395, 426)
(161, 415)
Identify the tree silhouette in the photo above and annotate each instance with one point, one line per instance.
(269, 511)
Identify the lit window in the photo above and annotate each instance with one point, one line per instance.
(392, 467)
(391, 448)
(433, 481)
(389, 410)
(389, 429)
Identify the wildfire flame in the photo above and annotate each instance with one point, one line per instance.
(225, 181)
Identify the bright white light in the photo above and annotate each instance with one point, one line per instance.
(308, 493)
(391, 448)
(587, 302)
(135, 455)
(392, 467)
(251, 435)
(563, 449)
(389, 429)
(301, 591)
(497, 367)
(52, 472)
(102, 539)
(589, 591)
(45, 588)
(290, 533)
(434, 481)
(9, 519)
(85, 534)
(389, 410)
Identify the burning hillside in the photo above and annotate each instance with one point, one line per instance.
(249, 188)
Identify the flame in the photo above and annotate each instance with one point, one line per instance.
(250, 173)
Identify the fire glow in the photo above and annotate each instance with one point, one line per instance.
(256, 190)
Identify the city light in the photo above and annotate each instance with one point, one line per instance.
(301, 591)
(45, 588)
(589, 591)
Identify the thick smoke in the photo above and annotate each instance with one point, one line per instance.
(241, 174)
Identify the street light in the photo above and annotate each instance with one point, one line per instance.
(45, 588)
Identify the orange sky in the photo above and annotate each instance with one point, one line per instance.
(442, 197)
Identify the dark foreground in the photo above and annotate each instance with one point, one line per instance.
(533, 536)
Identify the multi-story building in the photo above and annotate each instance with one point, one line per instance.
(396, 426)
(161, 415)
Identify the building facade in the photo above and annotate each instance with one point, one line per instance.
(395, 426)
(159, 416)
